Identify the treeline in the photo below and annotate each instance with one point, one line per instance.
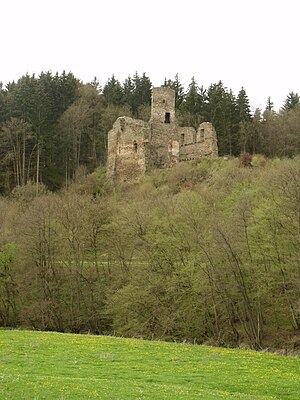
(207, 251)
(53, 124)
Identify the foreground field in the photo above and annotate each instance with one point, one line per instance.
(36, 365)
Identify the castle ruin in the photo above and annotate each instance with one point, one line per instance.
(135, 146)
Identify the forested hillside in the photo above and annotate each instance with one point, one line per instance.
(207, 251)
(53, 124)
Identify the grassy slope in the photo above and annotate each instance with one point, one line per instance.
(36, 365)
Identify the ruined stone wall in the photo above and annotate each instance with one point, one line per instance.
(161, 137)
(112, 149)
(198, 144)
(135, 146)
(208, 139)
(127, 146)
(187, 135)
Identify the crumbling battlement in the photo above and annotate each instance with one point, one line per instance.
(135, 146)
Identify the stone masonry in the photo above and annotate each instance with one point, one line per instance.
(135, 146)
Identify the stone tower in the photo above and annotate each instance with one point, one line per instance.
(163, 127)
(163, 106)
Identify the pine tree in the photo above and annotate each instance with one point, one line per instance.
(179, 90)
(128, 92)
(192, 107)
(292, 101)
(95, 84)
(269, 105)
(221, 111)
(243, 106)
(245, 121)
(112, 92)
(3, 109)
(141, 93)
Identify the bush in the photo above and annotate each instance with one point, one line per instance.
(245, 159)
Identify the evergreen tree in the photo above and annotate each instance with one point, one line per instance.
(43, 124)
(141, 94)
(233, 122)
(54, 94)
(40, 101)
(193, 100)
(221, 111)
(64, 90)
(179, 90)
(292, 101)
(256, 132)
(244, 120)
(128, 92)
(192, 107)
(243, 106)
(3, 108)
(269, 105)
(14, 137)
(95, 84)
(20, 100)
(112, 92)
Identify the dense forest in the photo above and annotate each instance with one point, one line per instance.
(53, 124)
(207, 251)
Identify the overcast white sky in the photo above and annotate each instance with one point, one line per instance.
(250, 43)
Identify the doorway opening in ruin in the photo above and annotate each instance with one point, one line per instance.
(135, 146)
(167, 118)
(202, 135)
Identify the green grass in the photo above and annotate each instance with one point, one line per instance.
(39, 365)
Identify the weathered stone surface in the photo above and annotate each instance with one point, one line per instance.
(135, 146)
(198, 144)
(127, 143)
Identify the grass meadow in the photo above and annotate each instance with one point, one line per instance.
(42, 365)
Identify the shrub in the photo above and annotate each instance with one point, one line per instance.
(245, 159)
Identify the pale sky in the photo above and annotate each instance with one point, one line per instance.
(254, 44)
